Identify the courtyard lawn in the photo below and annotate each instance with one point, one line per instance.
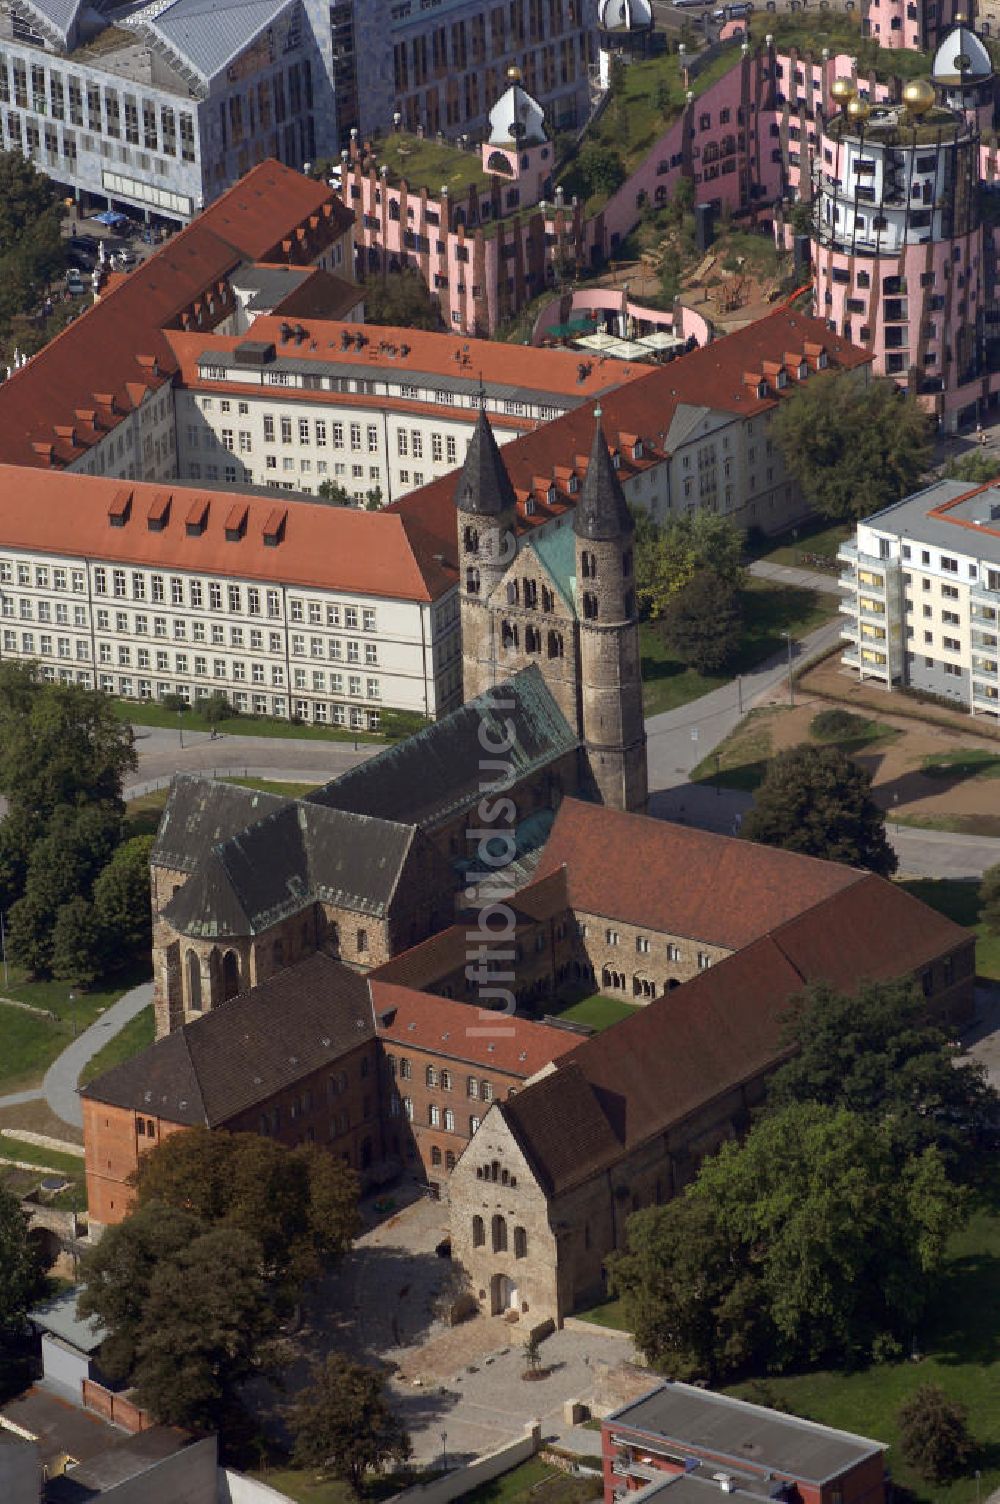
(137, 1035)
(143, 814)
(608, 1313)
(302, 1485)
(959, 900)
(23, 1182)
(31, 1041)
(150, 713)
(597, 1012)
(769, 611)
(426, 163)
(960, 1341)
(971, 762)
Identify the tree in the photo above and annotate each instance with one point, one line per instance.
(532, 1354)
(601, 170)
(667, 558)
(877, 1053)
(63, 862)
(208, 1326)
(691, 1307)
(31, 247)
(299, 1204)
(77, 948)
(401, 298)
(934, 1434)
(853, 448)
(59, 743)
(22, 1278)
(332, 490)
(817, 801)
(216, 708)
(122, 904)
(341, 1421)
(816, 1245)
(989, 899)
(975, 467)
(703, 622)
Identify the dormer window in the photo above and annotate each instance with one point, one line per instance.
(762, 389)
(120, 509)
(197, 518)
(530, 507)
(822, 362)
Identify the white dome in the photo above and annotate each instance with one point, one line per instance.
(961, 59)
(517, 119)
(624, 15)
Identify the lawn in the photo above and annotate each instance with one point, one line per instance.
(841, 32)
(959, 1340)
(149, 713)
(769, 611)
(597, 1012)
(22, 1182)
(740, 760)
(137, 1035)
(301, 1484)
(31, 1042)
(972, 762)
(607, 1313)
(535, 1482)
(803, 546)
(960, 901)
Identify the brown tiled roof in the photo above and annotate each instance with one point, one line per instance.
(111, 350)
(463, 1032)
(322, 295)
(320, 547)
(713, 376)
(873, 931)
(560, 1128)
(681, 881)
(244, 1051)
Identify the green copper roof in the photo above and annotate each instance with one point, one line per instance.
(557, 551)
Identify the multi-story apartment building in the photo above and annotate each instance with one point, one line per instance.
(157, 109)
(922, 595)
(290, 608)
(379, 409)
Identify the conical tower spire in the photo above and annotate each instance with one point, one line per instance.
(602, 513)
(484, 486)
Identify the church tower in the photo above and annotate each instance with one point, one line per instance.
(487, 546)
(613, 727)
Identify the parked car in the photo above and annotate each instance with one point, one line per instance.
(736, 12)
(89, 243)
(75, 285)
(81, 260)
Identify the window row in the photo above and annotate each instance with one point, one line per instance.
(476, 1088)
(498, 1236)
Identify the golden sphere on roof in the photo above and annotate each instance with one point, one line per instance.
(843, 89)
(514, 74)
(918, 96)
(858, 109)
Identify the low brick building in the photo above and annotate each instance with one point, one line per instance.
(682, 1445)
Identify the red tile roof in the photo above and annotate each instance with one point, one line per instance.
(681, 881)
(322, 547)
(713, 376)
(461, 1031)
(111, 349)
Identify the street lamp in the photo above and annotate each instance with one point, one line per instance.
(72, 1011)
(444, 1452)
(791, 683)
(180, 727)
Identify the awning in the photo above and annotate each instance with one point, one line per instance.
(110, 217)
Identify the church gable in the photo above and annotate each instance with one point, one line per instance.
(541, 579)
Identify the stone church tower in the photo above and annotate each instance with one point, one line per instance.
(564, 599)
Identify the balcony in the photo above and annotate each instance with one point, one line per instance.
(849, 631)
(982, 595)
(984, 639)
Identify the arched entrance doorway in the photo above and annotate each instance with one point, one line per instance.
(503, 1294)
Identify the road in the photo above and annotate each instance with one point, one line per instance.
(284, 759)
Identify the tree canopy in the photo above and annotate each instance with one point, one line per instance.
(668, 558)
(853, 448)
(702, 623)
(341, 1421)
(817, 801)
(806, 1241)
(989, 897)
(31, 246)
(22, 1278)
(401, 298)
(192, 1284)
(300, 1204)
(934, 1434)
(877, 1053)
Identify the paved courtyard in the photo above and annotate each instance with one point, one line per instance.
(462, 1383)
